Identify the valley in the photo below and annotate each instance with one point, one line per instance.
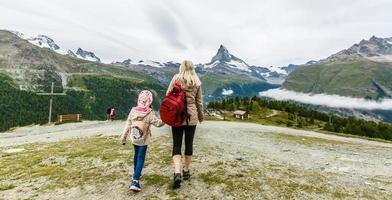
(31, 63)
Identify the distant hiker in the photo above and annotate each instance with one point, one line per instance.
(137, 128)
(112, 114)
(108, 111)
(184, 83)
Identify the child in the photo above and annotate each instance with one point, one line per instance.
(139, 121)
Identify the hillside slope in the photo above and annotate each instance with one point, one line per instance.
(91, 87)
(356, 78)
(363, 70)
(33, 67)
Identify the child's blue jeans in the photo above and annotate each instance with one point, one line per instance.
(138, 160)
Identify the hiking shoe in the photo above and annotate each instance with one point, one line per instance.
(135, 186)
(186, 175)
(177, 180)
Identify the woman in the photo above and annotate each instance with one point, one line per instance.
(191, 84)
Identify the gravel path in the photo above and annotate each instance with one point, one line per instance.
(52, 133)
(336, 153)
(352, 163)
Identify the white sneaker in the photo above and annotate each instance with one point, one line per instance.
(135, 186)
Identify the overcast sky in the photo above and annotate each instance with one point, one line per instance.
(261, 32)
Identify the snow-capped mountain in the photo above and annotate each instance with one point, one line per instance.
(71, 53)
(376, 49)
(222, 62)
(83, 54)
(44, 41)
(147, 63)
(223, 58)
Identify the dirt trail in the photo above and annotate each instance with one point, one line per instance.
(341, 163)
(32, 134)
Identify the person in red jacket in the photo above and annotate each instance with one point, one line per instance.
(112, 114)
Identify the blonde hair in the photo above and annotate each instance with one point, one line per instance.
(187, 74)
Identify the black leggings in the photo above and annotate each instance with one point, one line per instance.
(177, 133)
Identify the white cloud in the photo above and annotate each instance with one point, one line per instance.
(334, 101)
(262, 32)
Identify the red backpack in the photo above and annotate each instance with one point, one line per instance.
(173, 109)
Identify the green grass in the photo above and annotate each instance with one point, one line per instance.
(78, 167)
(80, 162)
(102, 160)
(213, 81)
(281, 120)
(79, 80)
(6, 186)
(156, 180)
(357, 78)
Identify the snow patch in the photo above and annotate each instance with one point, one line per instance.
(212, 64)
(149, 63)
(335, 101)
(239, 65)
(88, 58)
(277, 69)
(381, 58)
(227, 92)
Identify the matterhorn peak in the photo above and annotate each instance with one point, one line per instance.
(222, 55)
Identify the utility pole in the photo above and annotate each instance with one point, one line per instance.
(296, 117)
(51, 94)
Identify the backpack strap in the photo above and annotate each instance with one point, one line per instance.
(187, 116)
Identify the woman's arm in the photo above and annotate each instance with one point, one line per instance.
(199, 104)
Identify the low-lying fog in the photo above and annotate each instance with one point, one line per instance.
(335, 101)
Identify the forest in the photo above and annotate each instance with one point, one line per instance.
(299, 115)
(21, 108)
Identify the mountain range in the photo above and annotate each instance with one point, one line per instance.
(35, 60)
(31, 63)
(44, 41)
(364, 70)
(223, 58)
(222, 62)
(225, 72)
